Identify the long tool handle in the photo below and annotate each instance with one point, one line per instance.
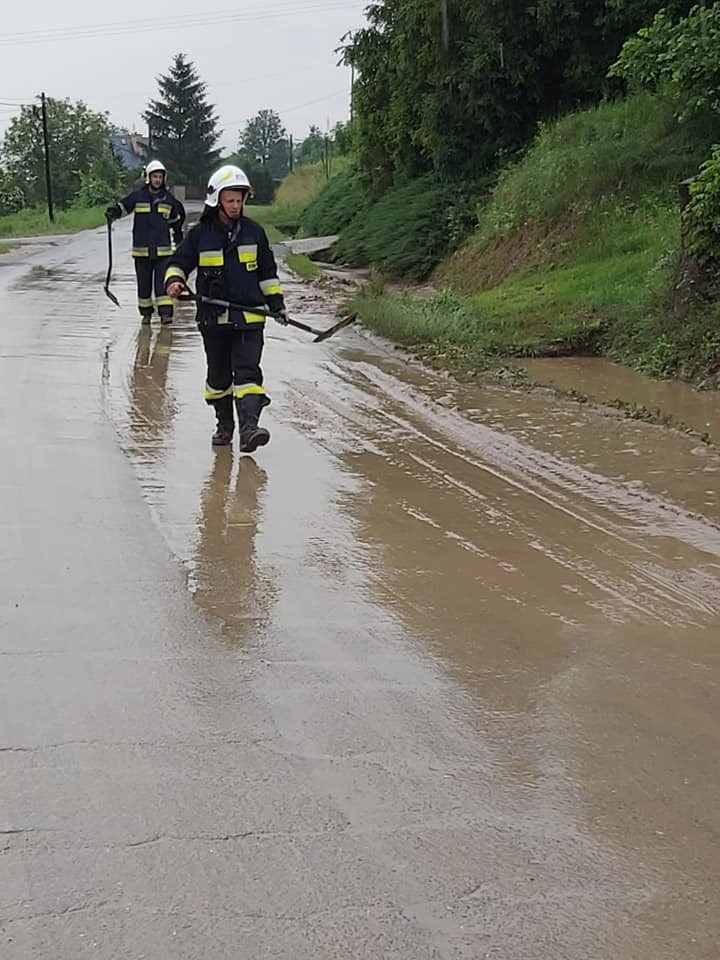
(319, 335)
(262, 311)
(108, 292)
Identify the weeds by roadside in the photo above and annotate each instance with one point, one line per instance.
(34, 221)
(303, 266)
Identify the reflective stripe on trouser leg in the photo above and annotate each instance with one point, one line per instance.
(241, 390)
(164, 303)
(165, 306)
(212, 393)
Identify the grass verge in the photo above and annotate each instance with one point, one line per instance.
(34, 221)
(303, 266)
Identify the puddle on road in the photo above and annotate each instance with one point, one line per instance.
(609, 382)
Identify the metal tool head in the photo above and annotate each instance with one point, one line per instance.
(345, 322)
(111, 296)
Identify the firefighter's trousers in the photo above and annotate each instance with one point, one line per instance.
(150, 273)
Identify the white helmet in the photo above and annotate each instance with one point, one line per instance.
(226, 178)
(155, 166)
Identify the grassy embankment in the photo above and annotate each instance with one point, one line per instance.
(282, 219)
(573, 251)
(34, 222)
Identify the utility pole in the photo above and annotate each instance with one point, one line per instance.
(46, 141)
(292, 154)
(349, 36)
(352, 92)
(445, 28)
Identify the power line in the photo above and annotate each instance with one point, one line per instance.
(124, 28)
(299, 106)
(283, 6)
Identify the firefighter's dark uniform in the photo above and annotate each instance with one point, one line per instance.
(157, 227)
(236, 264)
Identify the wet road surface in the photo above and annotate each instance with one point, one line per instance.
(434, 675)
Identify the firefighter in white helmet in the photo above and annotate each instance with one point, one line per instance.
(234, 262)
(157, 228)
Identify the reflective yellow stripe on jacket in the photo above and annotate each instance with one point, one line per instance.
(247, 254)
(175, 273)
(211, 258)
(271, 287)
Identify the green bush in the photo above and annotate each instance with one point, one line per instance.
(407, 230)
(679, 59)
(702, 214)
(335, 206)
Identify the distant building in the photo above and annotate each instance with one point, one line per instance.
(130, 148)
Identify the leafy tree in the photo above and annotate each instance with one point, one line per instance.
(264, 141)
(79, 143)
(701, 217)
(677, 58)
(311, 148)
(343, 138)
(11, 195)
(183, 125)
(456, 94)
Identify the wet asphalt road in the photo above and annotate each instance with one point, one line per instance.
(434, 675)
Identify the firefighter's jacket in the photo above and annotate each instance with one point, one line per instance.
(159, 217)
(234, 264)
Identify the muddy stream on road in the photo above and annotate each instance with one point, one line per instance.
(560, 564)
(556, 565)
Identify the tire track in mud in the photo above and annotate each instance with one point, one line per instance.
(652, 558)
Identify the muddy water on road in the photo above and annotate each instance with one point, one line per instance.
(561, 566)
(608, 382)
(557, 570)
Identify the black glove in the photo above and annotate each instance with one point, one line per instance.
(113, 212)
(211, 284)
(282, 316)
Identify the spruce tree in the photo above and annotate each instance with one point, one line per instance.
(183, 126)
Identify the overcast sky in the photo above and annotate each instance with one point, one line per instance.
(274, 54)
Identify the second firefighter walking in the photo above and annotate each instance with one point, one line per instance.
(157, 228)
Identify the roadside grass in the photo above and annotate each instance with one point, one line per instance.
(303, 266)
(282, 218)
(568, 306)
(34, 221)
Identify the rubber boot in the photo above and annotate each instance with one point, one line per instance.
(165, 320)
(225, 422)
(248, 410)
(145, 319)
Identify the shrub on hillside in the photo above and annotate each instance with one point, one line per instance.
(335, 206)
(702, 214)
(678, 58)
(407, 230)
